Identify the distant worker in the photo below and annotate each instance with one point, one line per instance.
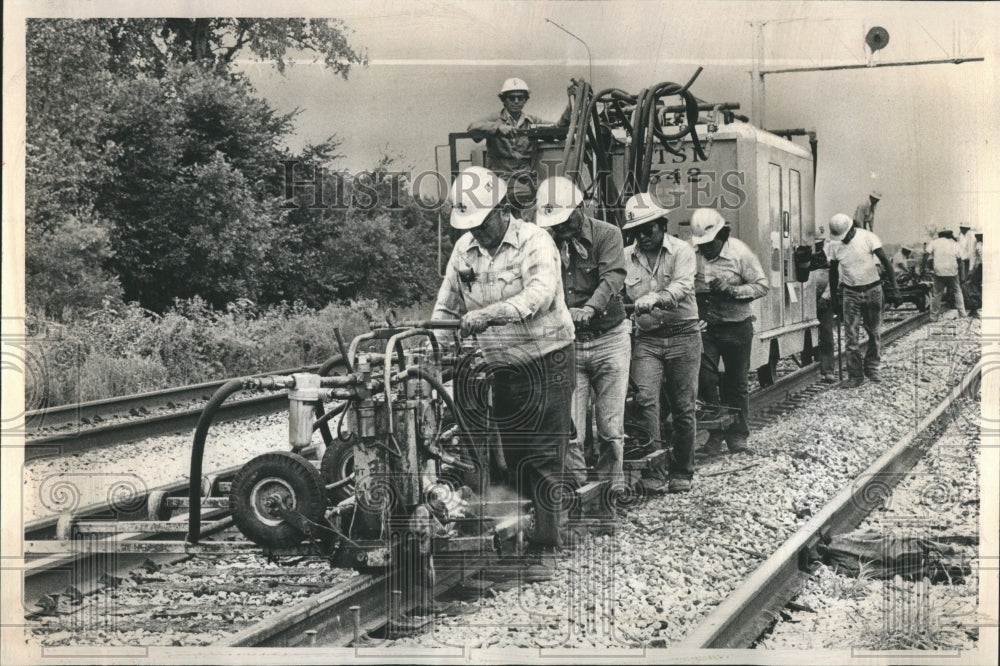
(593, 274)
(819, 269)
(510, 152)
(667, 344)
(504, 273)
(864, 215)
(852, 253)
(966, 246)
(944, 259)
(730, 276)
(902, 263)
(974, 281)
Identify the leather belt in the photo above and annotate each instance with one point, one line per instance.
(588, 336)
(864, 287)
(670, 330)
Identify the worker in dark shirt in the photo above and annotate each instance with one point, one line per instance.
(593, 272)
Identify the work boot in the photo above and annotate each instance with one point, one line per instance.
(873, 376)
(854, 382)
(679, 485)
(654, 480)
(713, 447)
(738, 444)
(829, 379)
(544, 566)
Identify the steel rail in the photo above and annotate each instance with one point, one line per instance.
(743, 616)
(74, 414)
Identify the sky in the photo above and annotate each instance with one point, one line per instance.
(923, 135)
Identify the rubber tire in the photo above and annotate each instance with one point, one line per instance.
(156, 506)
(307, 488)
(338, 456)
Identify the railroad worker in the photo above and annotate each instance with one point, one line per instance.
(864, 215)
(731, 277)
(510, 152)
(666, 350)
(852, 252)
(593, 274)
(504, 281)
(974, 280)
(943, 258)
(819, 269)
(902, 262)
(966, 246)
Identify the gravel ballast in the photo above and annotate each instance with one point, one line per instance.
(675, 557)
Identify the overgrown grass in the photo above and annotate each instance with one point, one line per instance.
(123, 350)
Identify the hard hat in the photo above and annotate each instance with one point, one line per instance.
(964, 225)
(943, 228)
(840, 224)
(510, 85)
(642, 208)
(475, 192)
(705, 225)
(978, 231)
(558, 197)
(876, 194)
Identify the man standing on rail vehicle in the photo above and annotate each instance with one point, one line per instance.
(593, 272)
(504, 281)
(510, 152)
(729, 277)
(666, 351)
(852, 253)
(864, 215)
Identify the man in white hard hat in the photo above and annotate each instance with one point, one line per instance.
(864, 215)
(504, 281)
(509, 151)
(853, 253)
(819, 271)
(944, 258)
(974, 280)
(593, 273)
(666, 352)
(730, 277)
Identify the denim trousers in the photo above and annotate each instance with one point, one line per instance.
(951, 283)
(824, 312)
(863, 308)
(602, 364)
(731, 342)
(531, 410)
(671, 363)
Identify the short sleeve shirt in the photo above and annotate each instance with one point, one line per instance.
(945, 253)
(858, 263)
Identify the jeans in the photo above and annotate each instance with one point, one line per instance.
(824, 312)
(949, 282)
(531, 408)
(863, 308)
(731, 341)
(671, 362)
(601, 365)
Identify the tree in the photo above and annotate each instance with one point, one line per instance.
(151, 44)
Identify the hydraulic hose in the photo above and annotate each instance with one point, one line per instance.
(420, 373)
(198, 451)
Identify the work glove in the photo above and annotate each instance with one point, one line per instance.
(506, 130)
(582, 315)
(646, 303)
(722, 287)
(474, 322)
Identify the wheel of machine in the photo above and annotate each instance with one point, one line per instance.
(283, 477)
(766, 373)
(337, 465)
(156, 506)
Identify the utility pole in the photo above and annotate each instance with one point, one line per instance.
(757, 77)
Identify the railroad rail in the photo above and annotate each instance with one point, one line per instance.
(739, 620)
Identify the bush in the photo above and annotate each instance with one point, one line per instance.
(119, 350)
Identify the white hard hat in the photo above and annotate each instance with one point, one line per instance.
(943, 228)
(558, 197)
(876, 194)
(964, 225)
(510, 85)
(475, 192)
(840, 224)
(705, 225)
(642, 208)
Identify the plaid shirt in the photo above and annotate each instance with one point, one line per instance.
(524, 273)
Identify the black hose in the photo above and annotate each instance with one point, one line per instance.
(198, 451)
(329, 365)
(324, 419)
(420, 373)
